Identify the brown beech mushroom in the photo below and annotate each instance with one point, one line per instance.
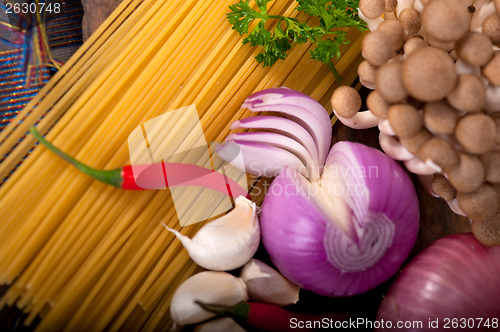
(439, 152)
(377, 104)
(389, 82)
(429, 74)
(346, 102)
(414, 143)
(395, 32)
(474, 49)
(469, 94)
(376, 48)
(409, 19)
(440, 117)
(497, 6)
(476, 133)
(405, 120)
(468, 175)
(442, 187)
(479, 205)
(491, 29)
(491, 164)
(372, 8)
(446, 20)
(366, 73)
(487, 231)
(492, 69)
(414, 43)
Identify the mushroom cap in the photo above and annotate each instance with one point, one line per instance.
(405, 120)
(475, 49)
(429, 74)
(346, 101)
(491, 28)
(446, 20)
(390, 5)
(414, 43)
(440, 152)
(443, 188)
(491, 164)
(476, 133)
(410, 20)
(469, 94)
(440, 117)
(389, 82)
(492, 69)
(377, 104)
(376, 48)
(366, 73)
(414, 143)
(479, 205)
(468, 175)
(497, 6)
(487, 231)
(372, 8)
(395, 32)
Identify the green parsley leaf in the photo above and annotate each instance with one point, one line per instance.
(286, 32)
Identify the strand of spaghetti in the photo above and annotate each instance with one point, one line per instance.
(82, 318)
(89, 273)
(64, 248)
(56, 282)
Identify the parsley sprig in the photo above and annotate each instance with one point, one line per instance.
(327, 36)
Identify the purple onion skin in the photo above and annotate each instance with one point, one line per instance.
(456, 279)
(293, 230)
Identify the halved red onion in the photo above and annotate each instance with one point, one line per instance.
(316, 253)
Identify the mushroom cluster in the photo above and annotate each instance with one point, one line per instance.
(434, 68)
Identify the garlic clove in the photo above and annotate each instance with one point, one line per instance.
(225, 324)
(265, 284)
(208, 286)
(228, 242)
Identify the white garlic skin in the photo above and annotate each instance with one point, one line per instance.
(209, 287)
(228, 242)
(265, 284)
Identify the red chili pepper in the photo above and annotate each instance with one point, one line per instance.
(268, 317)
(154, 176)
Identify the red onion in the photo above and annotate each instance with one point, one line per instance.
(452, 284)
(337, 223)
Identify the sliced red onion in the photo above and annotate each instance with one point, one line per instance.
(258, 158)
(281, 126)
(453, 284)
(301, 108)
(316, 252)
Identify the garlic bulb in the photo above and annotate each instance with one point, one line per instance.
(265, 284)
(208, 286)
(225, 324)
(228, 242)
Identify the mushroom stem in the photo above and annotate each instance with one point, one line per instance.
(453, 204)
(393, 148)
(417, 166)
(385, 127)
(362, 120)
